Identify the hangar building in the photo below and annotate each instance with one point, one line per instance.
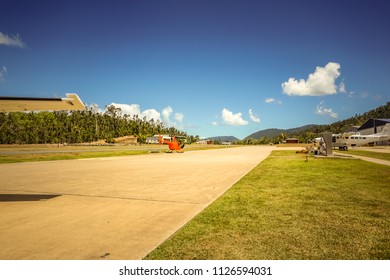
(373, 126)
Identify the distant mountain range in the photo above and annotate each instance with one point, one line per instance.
(382, 112)
(223, 138)
(272, 132)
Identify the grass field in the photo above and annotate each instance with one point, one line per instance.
(28, 153)
(66, 155)
(378, 155)
(287, 208)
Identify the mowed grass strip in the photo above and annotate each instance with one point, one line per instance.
(66, 156)
(287, 208)
(38, 153)
(378, 155)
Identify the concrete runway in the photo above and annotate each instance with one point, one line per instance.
(111, 208)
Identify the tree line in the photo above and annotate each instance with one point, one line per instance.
(60, 127)
(88, 126)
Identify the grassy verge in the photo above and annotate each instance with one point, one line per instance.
(287, 208)
(66, 156)
(30, 153)
(378, 155)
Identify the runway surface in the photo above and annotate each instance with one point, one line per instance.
(111, 208)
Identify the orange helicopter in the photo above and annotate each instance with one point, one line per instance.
(173, 144)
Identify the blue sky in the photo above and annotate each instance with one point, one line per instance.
(207, 67)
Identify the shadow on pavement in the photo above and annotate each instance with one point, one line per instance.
(26, 197)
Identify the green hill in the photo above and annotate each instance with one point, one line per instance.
(273, 132)
(308, 132)
(224, 138)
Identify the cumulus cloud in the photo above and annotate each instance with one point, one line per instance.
(233, 119)
(151, 114)
(95, 108)
(321, 82)
(166, 113)
(3, 71)
(214, 123)
(128, 109)
(253, 117)
(272, 100)
(321, 110)
(12, 41)
(135, 109)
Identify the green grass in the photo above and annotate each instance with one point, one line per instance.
(378, 155)
(51, 152)
(66, 156)
(287, 208)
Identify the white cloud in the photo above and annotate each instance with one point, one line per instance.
(128, 109)
(13, 40)
(321, 82)
(3, 71)
(233, 119)
(215, 123)
(151, 114)
(135, 109)
(342, 87)
(179, 117)
(321, 110)
(253, 117)
(361, 95)
(166, 113)
(95, 108)
(272, 100)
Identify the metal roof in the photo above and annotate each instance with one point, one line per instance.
(20, 104)
(374, 123)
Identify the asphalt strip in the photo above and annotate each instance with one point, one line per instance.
(119, 208)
